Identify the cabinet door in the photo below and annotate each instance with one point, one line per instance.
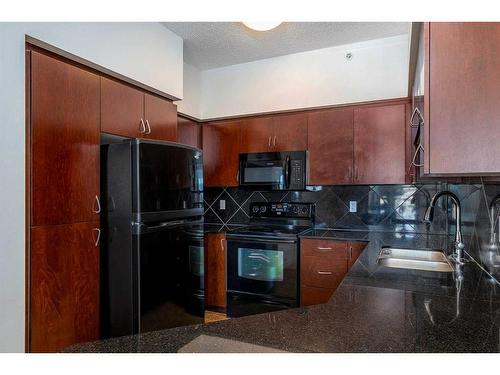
(64, 142)
(461, 98)
(221, 153)
(188, 132)
(215, 270)
(161, 117)
(64, 298)
(379, 144)
(330, 138)
(290, 132)
(122, 109)
(355, 250)
(256, 135)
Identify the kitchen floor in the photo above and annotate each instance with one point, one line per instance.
(213, 316)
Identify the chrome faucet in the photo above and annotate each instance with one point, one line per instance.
(429, 216)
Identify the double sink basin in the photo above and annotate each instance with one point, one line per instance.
(415, 259)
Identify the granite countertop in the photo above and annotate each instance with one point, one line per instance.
(375, 309)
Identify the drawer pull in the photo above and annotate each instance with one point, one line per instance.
(324, 273)
(324, 248)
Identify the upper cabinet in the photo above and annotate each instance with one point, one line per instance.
(122, 109)
(188, 132)
(380, 144)
(290, 132)
(462, 80)
(64, 142)
(330, 138)
(130, 112)
(221, 153)
(160, 116)
(286, 132)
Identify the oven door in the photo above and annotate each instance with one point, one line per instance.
(263, 267)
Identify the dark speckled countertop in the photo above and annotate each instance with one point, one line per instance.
(375, 309)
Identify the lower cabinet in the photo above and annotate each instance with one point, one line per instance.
(215, 270)
(64, 285)
(323, 266)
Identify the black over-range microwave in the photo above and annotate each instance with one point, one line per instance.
(274, 170)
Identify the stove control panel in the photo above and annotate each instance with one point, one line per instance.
(282, 209)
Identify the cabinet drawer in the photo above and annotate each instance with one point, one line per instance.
(313, 247)
(323, 271)
(313, 295)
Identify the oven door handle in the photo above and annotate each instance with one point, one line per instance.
(287, 172)
(259, 239)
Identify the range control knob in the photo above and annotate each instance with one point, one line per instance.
(304, 210)
(255, 209)
(263, 209)
(295, 210)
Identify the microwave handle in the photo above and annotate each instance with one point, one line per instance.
(287, 171)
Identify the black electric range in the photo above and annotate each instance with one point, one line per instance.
(263, 258)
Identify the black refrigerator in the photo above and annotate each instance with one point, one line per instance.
(152, 251)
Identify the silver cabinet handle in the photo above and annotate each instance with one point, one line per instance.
(324, 273)
(324, 248)
(416, 112)
(238, 177)
(97, 205)
(222, 244)
(355, 174)
(419, 148)
(98, 236)
(148, 127)
(274, 141)
(269, 141)
(142, 127)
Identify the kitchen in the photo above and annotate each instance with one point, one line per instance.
(281, 195)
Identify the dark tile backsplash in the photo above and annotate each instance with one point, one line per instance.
(395, 208)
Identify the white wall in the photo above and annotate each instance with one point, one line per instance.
(378, 70)
(191, 100)
(146, 52)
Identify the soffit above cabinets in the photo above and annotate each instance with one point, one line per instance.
(209, 45)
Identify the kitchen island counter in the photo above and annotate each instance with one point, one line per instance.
(375, 309)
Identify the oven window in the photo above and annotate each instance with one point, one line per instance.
(264, 174)
(257, 264)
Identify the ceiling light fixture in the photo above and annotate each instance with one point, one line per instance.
(262, 26)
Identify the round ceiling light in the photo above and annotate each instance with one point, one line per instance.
(262, 26)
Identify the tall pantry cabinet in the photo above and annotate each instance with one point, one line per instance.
(63, 131)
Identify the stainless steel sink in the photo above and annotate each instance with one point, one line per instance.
(415, 259)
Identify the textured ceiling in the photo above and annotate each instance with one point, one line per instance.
(210, 45)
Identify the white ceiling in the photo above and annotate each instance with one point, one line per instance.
(210, 45)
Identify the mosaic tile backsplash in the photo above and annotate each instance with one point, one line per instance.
(394, 208)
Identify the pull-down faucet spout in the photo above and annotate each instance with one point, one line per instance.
(429, 216)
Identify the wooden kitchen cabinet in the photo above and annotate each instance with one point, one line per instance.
(290, 132)
(257, 135)
(323, 266)
(122, 109)
(330, 143)
(215, 270)
(64, 133)
(188, 132)
(221, 153)
(285, 132)
(380, 144)
(354, 251)
(462, 115)
(130, 112)
(161, 118)
(64, 298)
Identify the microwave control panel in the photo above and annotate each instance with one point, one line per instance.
(282, 209)
(297, 175)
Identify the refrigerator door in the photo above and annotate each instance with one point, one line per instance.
(169, 180)
(171, 275)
